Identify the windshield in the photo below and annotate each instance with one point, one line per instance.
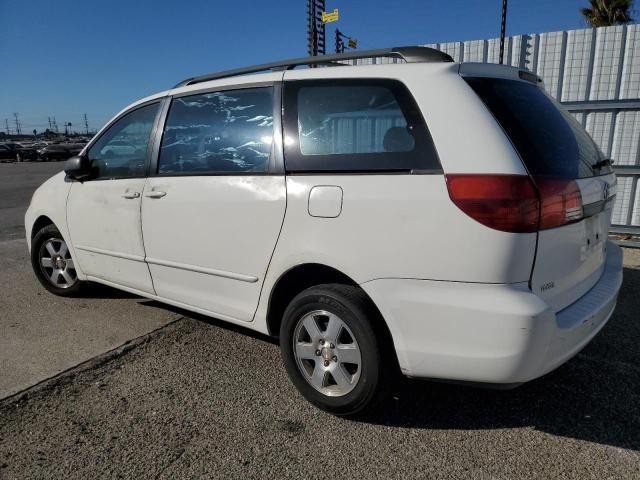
(550, 141)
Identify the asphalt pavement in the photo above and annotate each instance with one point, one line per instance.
(201, 399)
(42, 335)
(18, 181)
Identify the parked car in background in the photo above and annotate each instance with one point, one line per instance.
(6, 153)
(342, 210)
(59, 151)
(119, 148)
(37, 145)
(17, 152)
(27, 153)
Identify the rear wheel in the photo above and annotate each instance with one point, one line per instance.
(52, 263)
(330, 348)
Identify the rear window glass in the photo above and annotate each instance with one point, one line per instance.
(550, 141)
(351, 119)
(355, 126)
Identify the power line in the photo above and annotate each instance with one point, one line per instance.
(17, 118)
(23, 125)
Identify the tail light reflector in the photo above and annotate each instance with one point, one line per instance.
(561, 202)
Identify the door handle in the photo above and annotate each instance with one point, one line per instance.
(155, 194)
(131, 195)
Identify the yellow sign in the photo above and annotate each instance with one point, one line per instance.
(328, 17)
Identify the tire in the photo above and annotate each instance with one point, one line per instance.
(50, 255)
(327, 379)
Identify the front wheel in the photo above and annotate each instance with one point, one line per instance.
(330, 349)
(52, 263)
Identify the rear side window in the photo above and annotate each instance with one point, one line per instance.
(218, 133)
(355, 126)
(549, 140)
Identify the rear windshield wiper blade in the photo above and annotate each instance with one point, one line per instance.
(607, 162)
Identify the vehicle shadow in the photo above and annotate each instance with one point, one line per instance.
(214, 322)
(594, 397)
(98, 290)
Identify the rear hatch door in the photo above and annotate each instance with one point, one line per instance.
(556, 150)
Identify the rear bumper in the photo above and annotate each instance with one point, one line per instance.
(500, 334)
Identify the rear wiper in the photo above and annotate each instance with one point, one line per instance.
(607, 162)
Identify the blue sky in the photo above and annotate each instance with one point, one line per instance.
(67, 57)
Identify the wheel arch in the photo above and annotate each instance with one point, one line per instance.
(295, 280)
(303, 276)
(41, 222)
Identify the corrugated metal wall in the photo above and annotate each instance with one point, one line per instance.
(596, 74)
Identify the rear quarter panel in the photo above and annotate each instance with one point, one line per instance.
(397, 226)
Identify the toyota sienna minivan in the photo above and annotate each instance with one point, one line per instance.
(442, 220)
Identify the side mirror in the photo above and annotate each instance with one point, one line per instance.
(78, 167)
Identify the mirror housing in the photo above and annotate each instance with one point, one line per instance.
(78, 167)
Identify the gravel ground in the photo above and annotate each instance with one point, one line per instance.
(202, 399)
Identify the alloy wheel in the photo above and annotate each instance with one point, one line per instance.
(56, 263)
(327, 353)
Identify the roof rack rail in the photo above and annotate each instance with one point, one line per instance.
(412, 54)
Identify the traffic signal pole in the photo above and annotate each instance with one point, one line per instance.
(352, 43)
(339, 42)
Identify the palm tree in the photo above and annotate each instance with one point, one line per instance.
(604, 13)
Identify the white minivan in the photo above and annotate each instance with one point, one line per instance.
(444, 220)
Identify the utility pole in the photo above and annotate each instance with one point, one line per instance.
(503, 28)
(6, 122)
(17, 118)
(86, 124)
(50, 124)
(55, 125)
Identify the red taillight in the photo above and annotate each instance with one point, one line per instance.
(561, 202)
(503, 202)
(511, 203)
